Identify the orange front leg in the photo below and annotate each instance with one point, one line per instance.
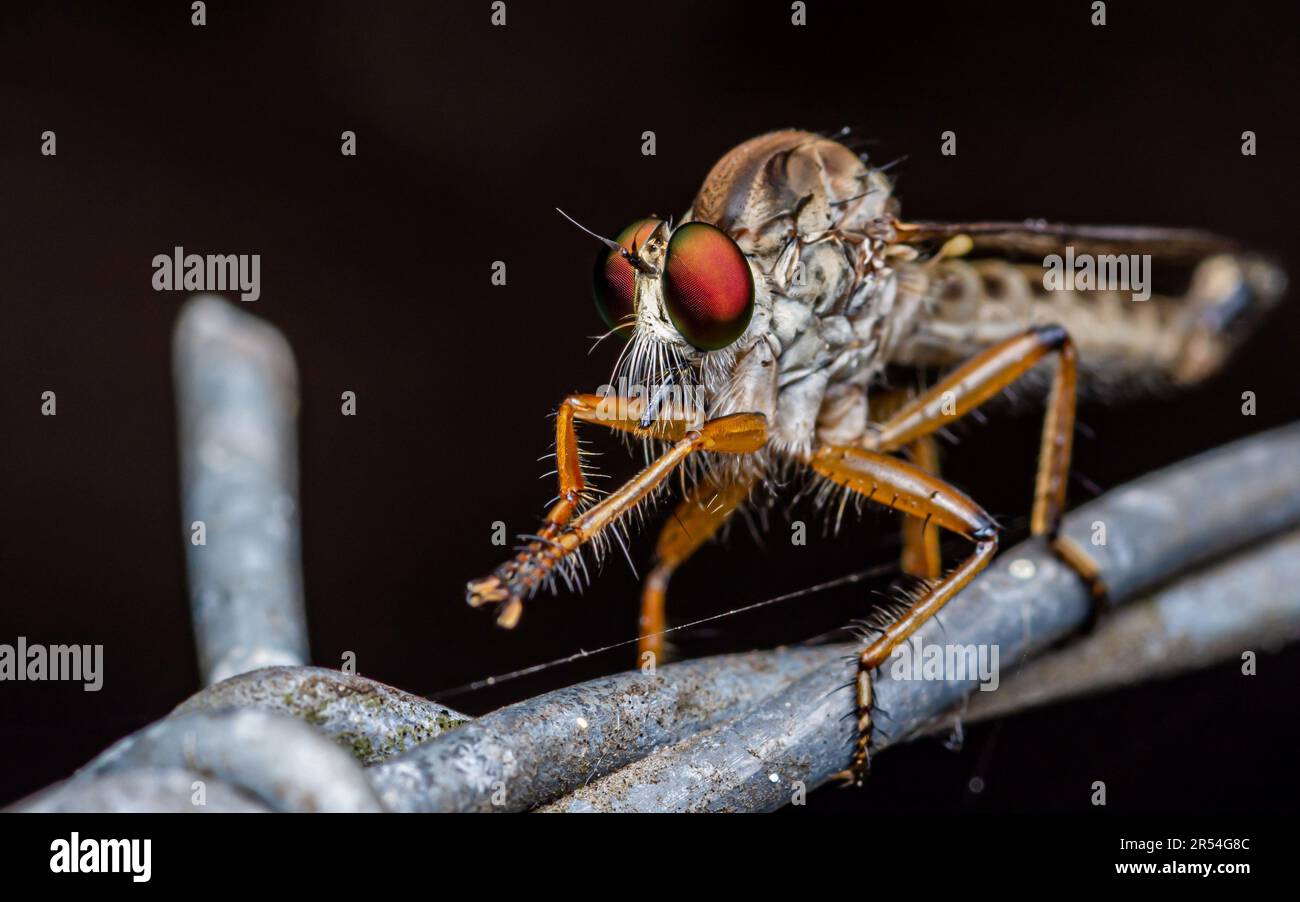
(611, 411)
(557, 546)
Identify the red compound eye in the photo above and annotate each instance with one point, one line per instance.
(613, 278)
(708, 287)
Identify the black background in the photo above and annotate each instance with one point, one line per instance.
(225, 139)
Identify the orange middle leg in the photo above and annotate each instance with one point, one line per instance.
(979, 379)
(920, 543)
(920, 555)
(695, 521)
(899, 485)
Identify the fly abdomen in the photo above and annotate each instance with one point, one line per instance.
(1130, 338)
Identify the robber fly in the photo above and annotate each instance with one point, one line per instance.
(760, 328)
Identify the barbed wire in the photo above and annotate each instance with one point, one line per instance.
(743, 732)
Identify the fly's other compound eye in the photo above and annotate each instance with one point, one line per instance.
(613, 280)
(708, 288)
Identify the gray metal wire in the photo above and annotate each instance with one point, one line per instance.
(237, 409)
(798, 737)
(735, 732)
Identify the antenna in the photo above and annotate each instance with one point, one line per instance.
(629, 256)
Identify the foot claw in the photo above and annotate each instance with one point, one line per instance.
(494, 590)
(509, 613)
(490, 589)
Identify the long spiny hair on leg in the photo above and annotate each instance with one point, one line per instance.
(901, 595)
